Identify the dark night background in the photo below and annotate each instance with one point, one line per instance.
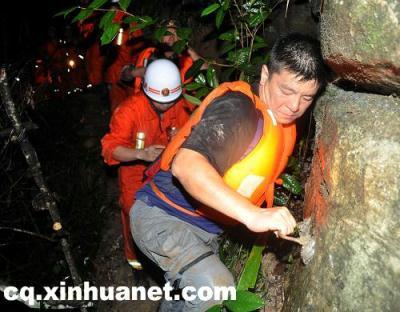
(24, 26)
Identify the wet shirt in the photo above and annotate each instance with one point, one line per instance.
(223, 135)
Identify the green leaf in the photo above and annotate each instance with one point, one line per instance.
(216, 308)
(226, 5)
(250, 69)
(107, 19)
(83, 14)
(258, 18)
(184, 33)
(294, 166)
(212, 79)
(226, 74)
(245, 302)
(258, 60)
(124, 4)
(96, 4)
(193, 86)
(240, 56)
(226, 48)
(259, 39)
(179, 46)
(192, 99)
(142, 22)
(211, 8)
(229, 36)
(259, 45)
(280, 199)
(109, 33)
(248, 277)
(148, 20)
(159, 33)
(194, 69)
(292, 162)
(290, 183)
(200, 78)
(202, 92)
(66, 12)
(219, 18)
(131, 19)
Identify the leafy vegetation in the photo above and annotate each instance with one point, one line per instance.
(239, 25)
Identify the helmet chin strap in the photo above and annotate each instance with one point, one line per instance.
(159, 113)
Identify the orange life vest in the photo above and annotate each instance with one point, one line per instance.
(254, 175)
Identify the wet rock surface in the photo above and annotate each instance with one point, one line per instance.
(354, 196)
(361, 43)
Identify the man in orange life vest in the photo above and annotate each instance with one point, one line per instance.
(221, 166)
(152, 112)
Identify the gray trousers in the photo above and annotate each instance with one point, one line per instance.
(174, 245)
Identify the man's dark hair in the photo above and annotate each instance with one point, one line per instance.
(301, 55)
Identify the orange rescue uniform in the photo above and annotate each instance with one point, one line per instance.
(127, 52)
(134, 115)
(94, 64)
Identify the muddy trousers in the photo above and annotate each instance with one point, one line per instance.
(186, 253)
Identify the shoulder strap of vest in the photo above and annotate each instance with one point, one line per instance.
(184, 132)
(289, 132)
(289, 140)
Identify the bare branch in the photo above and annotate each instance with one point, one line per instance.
(7, 228)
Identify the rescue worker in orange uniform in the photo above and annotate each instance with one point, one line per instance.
(95, 64)
(128, 46)
(163, 50)
(94, 59)
(152, 112)
(221, 166)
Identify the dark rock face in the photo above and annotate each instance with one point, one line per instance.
(297, 18)
(354, 196)
(360, 41)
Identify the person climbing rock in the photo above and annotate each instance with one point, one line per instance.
(221, 166)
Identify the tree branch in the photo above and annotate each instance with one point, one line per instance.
(7, 228)
(35, 168)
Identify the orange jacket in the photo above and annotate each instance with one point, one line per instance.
(94, 64)
(86, 27)
(125, 56)
(136, 115)
(127, 51)
(185, 62)
(140, 62)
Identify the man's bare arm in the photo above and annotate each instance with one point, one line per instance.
(202, 181)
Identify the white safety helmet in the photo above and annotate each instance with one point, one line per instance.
(162, 81)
